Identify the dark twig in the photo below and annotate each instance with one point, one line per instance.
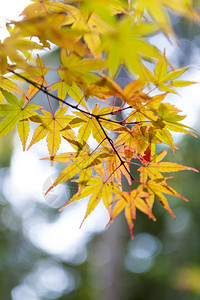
(97, 117)
(122, 162)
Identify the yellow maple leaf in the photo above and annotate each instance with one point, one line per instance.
(82, 162)
(99, 188)
(54, 127)
(126, 45)
(157, 10)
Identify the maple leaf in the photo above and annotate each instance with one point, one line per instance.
(133, 93)
(54, 127)
(168, 117)
(43, 7)
(136, 139)
(157, 184)
(166, 80)
(51, 28)
(34, 74)
(37, 75)
(129, 202)
(16, 113)
(159, 187)
(156, 9)
(61, 88)
(162, 116)
(126, 45)
(10, 86)
(113, 164)
(14, 48)
(99, 188)
(88, 124)
(103, 88)
(90, 23)
(82, 161)
(74, 69)
(97, 18)
(73, 91)
(153, 168)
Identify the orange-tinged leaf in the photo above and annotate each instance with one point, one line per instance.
(114, 167)
(129, 202)
(118, 207)
(134, 95)
(129, 213)
(103, 88)
(159, 157)
(164, 202)
(164, 188)
(136, 139)
(154, 169)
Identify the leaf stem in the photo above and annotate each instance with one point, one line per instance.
(114, 149)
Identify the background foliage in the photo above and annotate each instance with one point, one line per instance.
(164, 237)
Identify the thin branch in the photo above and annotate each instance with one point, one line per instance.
(114, 149)
(45, 91)
(97, 117)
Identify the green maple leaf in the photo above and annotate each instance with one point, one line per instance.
(126, 44)
(16, 113)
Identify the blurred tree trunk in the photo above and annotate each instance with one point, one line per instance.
(112, 271)
(114, 239)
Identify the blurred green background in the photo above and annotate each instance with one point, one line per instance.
(162, 262)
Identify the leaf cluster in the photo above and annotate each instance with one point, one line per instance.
(95, 39)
